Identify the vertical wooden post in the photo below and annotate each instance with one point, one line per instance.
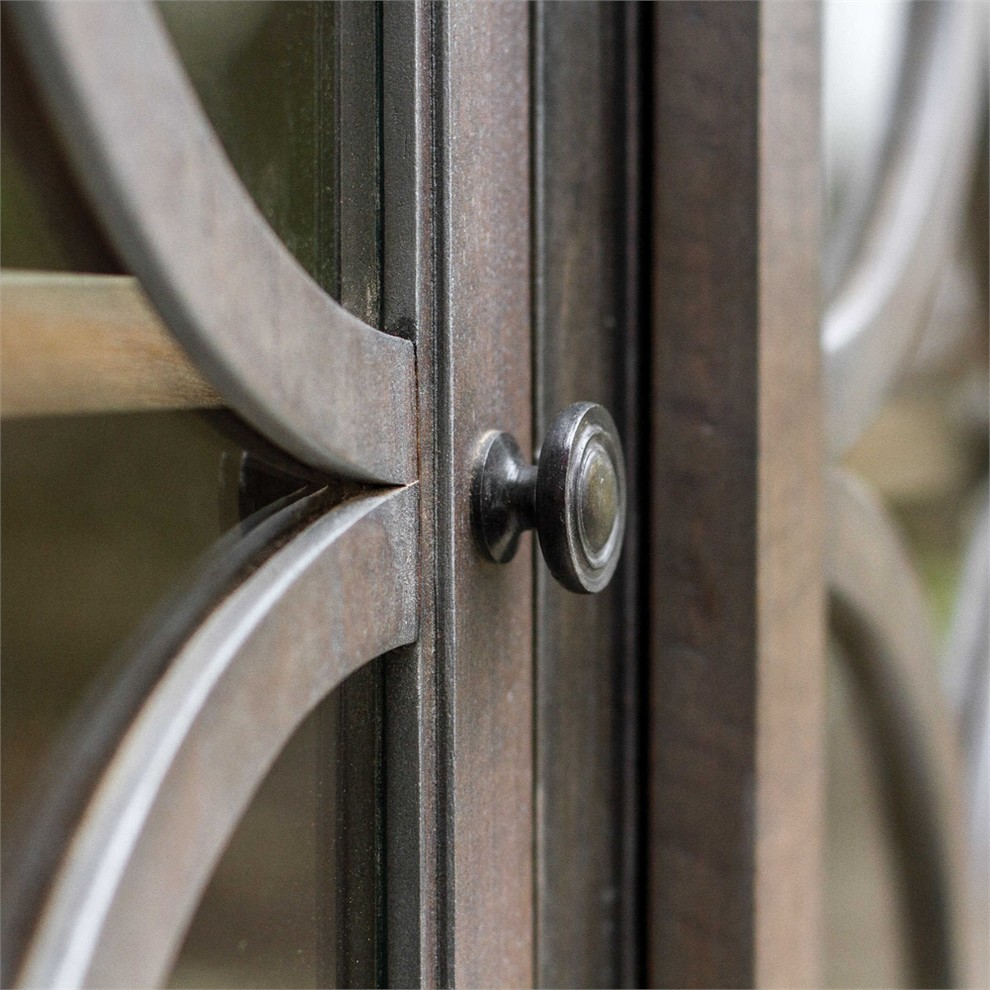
(587, 327)
(737, 628)
(485, 611)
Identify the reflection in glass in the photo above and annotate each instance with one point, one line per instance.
(105, 515)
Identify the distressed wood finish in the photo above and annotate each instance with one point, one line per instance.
(484, 611)
(413, 823)
(737, 631)
(359, 822)
(89, 343)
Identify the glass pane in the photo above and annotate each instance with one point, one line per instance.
(924, 455)
(267, 916)
(105, 516)
(292, 92)
(101, 515)
(297, 899)
(265, 75)
(862, 54)
(109, 528)
(46, 222)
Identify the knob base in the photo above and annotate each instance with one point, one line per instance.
(503, 496)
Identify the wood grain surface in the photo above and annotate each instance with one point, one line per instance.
(737, 619)
(485, 611)
(588, 331)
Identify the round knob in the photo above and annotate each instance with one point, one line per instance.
(575, 497)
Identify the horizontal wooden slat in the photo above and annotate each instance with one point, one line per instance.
(88, 343)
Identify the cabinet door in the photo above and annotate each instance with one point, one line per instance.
(364, 239)
(364, 334)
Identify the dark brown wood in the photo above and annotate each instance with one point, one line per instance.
(484, 610)
(413, 824)
(737, 655)
(353, 68)
(586, 326)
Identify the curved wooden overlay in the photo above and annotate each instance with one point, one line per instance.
(337, 595)
(309, 375)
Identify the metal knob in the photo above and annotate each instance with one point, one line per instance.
(575, 497)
